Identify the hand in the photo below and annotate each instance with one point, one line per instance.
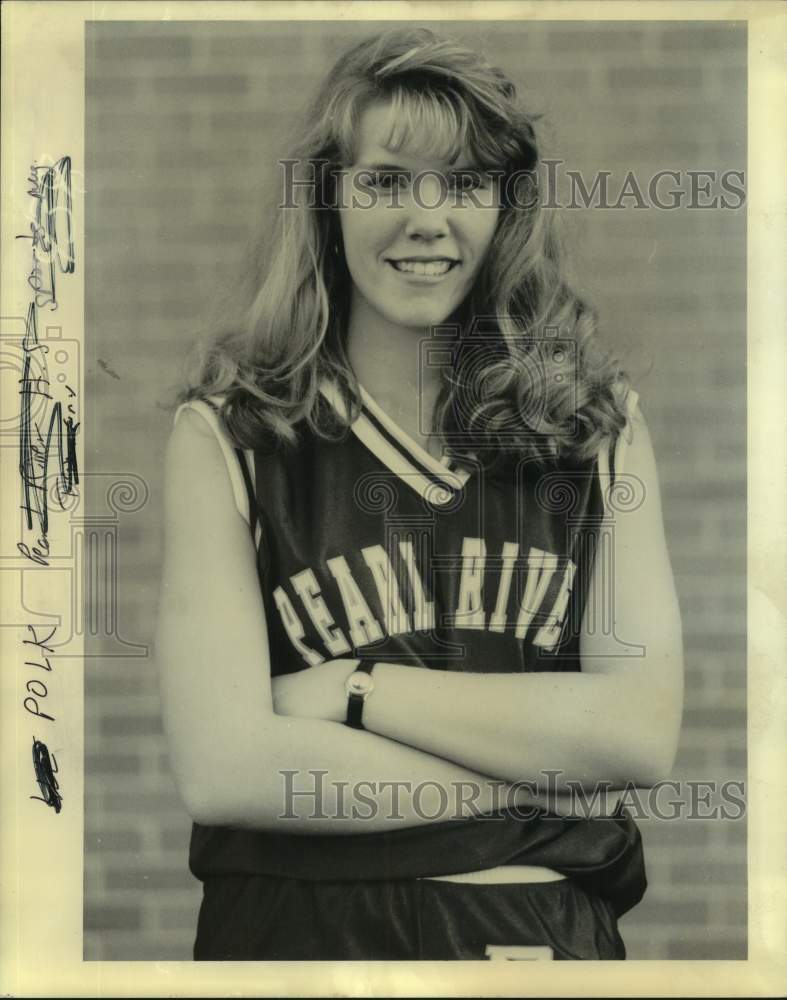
(314, 693)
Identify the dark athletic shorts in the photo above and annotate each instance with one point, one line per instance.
(267, 918)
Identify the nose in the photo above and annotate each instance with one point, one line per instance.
(427, 208)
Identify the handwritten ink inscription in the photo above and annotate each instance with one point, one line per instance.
(51, 439)
(38, 443)
(45, 770)
(38, 653)
(51, 232)
(47, 438)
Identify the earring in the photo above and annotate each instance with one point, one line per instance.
(336, 249)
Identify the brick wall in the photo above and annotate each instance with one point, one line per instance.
(184, 122)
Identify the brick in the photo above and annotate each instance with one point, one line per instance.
(683, 834)
(680, 913)
(151, 880)
(256, 121)
(229, 158)
(121, 200)
(163, 803)
(118, 946)
(131, 725)
(203, 84)
(108, 87)
(142, 272)
(111, 764)
(706, 36)
(735, 756)
(711, 643)
(112, 918)
(736, 912)
(153, 46)
(179, 918)
(167, 122)
(735, 831)
(175, 839)
(709, 948)
(612, 39)
(732, 874)
(710, 489)
(206, 236)
(113, 840)
(714, 716)
(654, 77)
(98, 682)
(243, 45)
(735, 78)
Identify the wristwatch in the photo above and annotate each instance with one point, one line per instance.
(359, 686)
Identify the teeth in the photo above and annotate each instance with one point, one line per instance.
(432, 268)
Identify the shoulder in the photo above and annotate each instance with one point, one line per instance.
(636, 487)
(196, 439)
(201, 460)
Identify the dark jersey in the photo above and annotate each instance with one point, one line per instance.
(371, 548)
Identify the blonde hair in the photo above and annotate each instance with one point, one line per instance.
(525, 393)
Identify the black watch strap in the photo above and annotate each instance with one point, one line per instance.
(355, 701)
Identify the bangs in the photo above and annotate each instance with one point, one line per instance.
(440, 124)
(428, 122)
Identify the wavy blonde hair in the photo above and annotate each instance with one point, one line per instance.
(528, 376)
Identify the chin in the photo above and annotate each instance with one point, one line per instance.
(421, 319)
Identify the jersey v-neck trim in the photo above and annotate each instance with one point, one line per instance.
(433, 479)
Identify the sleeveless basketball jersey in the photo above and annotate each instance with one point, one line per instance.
(371, 548)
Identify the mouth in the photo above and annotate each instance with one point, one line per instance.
(433, 267)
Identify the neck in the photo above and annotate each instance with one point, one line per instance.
(386, 359)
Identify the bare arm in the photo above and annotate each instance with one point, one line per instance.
(228, 748)
(616, 721)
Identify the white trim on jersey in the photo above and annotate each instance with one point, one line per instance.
(397, 459)
(621, 447)
(456, 480)
(231, 460)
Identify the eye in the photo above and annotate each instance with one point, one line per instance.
(468, 180)
(386, 180)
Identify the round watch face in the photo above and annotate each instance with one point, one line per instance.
(359, 683)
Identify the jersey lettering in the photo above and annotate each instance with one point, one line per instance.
(363, 626)
(470, 607)
(497, 623)
(364, 629)
(548, 635)
(541, 567)
(423, 610)
(307, 588)
(294, 628)
(396, 618)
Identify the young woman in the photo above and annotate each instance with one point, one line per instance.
(403, 613)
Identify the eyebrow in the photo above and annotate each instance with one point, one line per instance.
(396, 167)
(383, 166)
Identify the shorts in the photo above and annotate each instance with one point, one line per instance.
(267, 918)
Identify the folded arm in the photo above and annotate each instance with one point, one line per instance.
(233, 757)
(617, 721)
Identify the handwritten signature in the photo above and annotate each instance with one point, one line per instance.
(51, 231)
(55, 434)
(36, 446)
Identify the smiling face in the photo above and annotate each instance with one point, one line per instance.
(415, 230)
